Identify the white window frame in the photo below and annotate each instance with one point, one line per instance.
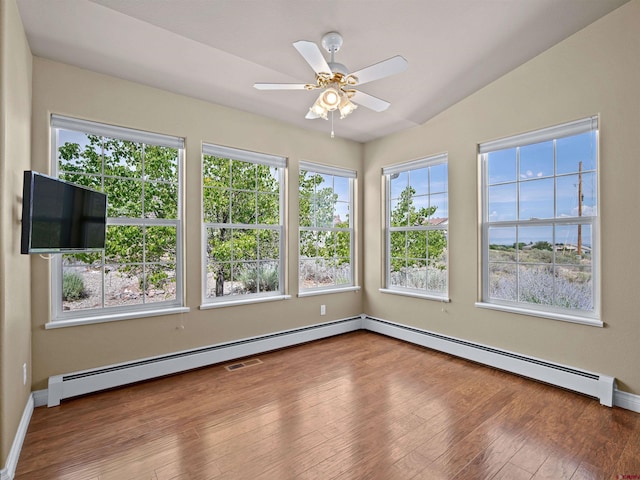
(351, 175)
(61, 318)
(275, 161)
(590, 124)
(387, 173)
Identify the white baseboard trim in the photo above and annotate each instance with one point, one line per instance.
(89, 381)
(590, 383)
(626, 400)
(9, 470)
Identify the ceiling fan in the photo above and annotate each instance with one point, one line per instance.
(335, 81)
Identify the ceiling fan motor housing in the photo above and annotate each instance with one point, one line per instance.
(332, 42)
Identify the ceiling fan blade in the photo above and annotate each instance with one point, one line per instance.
(374, 103)
(312, 54)
(280, 86)
(382, 69)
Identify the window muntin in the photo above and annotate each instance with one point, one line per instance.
(242, 197)
(140, 268)
(540, 220)
(326, 233)
(417, 227)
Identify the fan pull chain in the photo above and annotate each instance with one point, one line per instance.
(332, 134)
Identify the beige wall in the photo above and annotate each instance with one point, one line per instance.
(596, 71)
(15, 295)
(78, 93)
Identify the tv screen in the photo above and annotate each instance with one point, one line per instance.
(59, 216)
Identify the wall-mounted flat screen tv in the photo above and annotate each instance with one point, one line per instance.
(60, 217)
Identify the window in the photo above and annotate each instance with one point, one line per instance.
(540, 222)
(325, 228)
(417, 222)
(140, 269)
(243, 198)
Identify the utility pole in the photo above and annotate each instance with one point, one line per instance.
(580, 208)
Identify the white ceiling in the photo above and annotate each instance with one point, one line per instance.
(216, 50)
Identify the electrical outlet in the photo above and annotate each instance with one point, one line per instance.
(323, 309)
(24, 373)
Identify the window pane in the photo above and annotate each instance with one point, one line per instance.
(439, 205)
(160, 200)
(501, 166)
(243, 207)
(417, 246)
(308, 240)
(502, 244)
(502, 202)
(216, 171)
(574, 287)
(437, 277)
(161, 163)
(123, 285)
(81, 284)
(536, 160)
(503, 284)
(268, 209)
(419, 181)
(399, 213)
(573, 244)
(269, 244)
(124, 244)
(438, 175)
(343, 271)
(243, 175)
(573, 150)
(569, 189)
(536, 199)
(124, 198)
(216, 205)
(536, 284)
(122, 158)
(244, 245)
(160, 244)
(399, 183)
(536, 244)
(267, 179)
(398, 244)
(218, 279)
(79, 152)
(341, 188)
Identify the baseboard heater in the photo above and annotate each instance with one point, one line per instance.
(89, 381)
(588, 383)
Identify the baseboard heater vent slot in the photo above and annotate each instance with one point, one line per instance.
(89, 381)
(589, 383)
(247, 363)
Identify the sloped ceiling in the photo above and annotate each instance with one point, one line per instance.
(216, 50)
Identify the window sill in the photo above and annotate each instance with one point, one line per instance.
(88, 320)
(537, 313)
(323, 291)
(408, 293)
(244, 301)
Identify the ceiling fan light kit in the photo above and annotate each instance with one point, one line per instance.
(336, 82)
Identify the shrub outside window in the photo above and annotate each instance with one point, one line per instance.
(140, 268)
(417, 227)
(540, 220)
(242, 198)
(325, 227)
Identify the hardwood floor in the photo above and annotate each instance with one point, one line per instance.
(357, 406)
